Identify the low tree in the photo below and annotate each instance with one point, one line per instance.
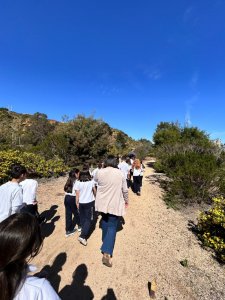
(39, 129)
(88, 138)
(167, 133)
(143, 149)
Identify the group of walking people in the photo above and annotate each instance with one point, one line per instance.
(83, 187)
(133, 170)
(103, 192)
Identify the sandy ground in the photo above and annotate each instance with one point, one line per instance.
(150, 244)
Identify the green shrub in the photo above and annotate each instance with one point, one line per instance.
(211, 226)
(35, 164)
(193, 163)
(193, 175)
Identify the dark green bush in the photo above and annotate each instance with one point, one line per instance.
(193, 163)
(193, 175)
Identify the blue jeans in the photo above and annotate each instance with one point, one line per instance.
(109, 228)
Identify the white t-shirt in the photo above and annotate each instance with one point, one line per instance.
(137, 172)
(94, 173)
(35, 288)
(11, 199)
(85, 189)
(29, 187)
(125, 168)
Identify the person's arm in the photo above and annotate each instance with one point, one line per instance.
(74, 188)
(34, 192)
(94, 191)
(96, 177)
(77, 198)
(128, 172)
(125, 192)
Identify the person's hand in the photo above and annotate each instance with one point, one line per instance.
(126, 205)
(77, 203)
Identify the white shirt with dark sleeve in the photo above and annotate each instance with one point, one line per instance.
(29, 187)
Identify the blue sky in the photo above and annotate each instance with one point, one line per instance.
(131, 63)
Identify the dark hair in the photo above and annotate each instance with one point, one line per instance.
(85, 175)
(111, 161)
(20, 239)
(85, 167)
(68, 187)
(99, 165)
(17, 170)
(128, 161)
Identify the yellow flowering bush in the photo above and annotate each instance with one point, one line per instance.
(211, 226)
(35, 164)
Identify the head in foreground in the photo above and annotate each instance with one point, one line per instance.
(20, 241)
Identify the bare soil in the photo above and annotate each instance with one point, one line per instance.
(150, 245)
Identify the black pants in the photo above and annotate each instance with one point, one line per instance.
(86, 217)
(33, 210)
(71, 210)
(129, 183)
(137, 184)
(131, 174)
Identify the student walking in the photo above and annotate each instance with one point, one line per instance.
(142, 171)
(70, 204)
(111, 199)
(85, 199)
(137, 176)
(29, 187)
(99, 167)
(132, 158)
(11, 197)
(125, 168)
(20, 240)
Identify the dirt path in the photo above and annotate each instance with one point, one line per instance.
(150, 244)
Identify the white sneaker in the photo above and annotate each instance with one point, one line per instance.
(82, 241)
(79, 229)
(68, 233)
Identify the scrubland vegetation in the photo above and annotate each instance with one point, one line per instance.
(48, 147)
(193, 164)
(195, 167)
